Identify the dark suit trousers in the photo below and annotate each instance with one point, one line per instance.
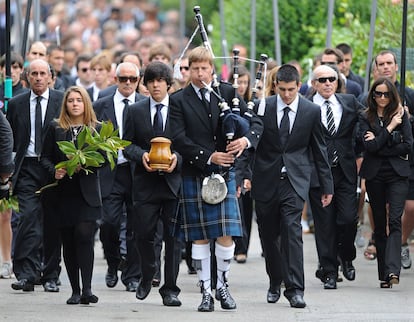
(392, 191)
(336, 224)
(246, 210)
(281, 235)
(28, 239)
(162, 204)
(52, 243)
(114, 207)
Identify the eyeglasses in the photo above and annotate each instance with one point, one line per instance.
(324, 79)
(184, 67)
(84, 70)
(124, 79)
(379, 94)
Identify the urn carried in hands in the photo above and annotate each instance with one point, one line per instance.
(160, 153)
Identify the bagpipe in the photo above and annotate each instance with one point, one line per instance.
(234, 125)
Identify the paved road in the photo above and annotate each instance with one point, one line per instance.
(360, 300)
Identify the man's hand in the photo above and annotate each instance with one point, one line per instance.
(237, 147)
(173, 163)
(146, 162)
(326, 200)
(222, 158)
(60, 173)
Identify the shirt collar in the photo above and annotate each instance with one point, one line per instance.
(319, 100)
(293, 106)
(164, 102)
(45, 95)
(118, 97)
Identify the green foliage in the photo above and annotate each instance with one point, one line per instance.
(87, 152)
(10, 203)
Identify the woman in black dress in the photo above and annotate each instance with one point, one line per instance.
(78, 197)
(387, 137)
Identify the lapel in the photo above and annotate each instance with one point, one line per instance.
(192, 99)
(147, 119)
(109, 111)
(345, 114)
(300, 118)
(271, 112)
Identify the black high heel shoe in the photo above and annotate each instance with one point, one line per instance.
(86, 299)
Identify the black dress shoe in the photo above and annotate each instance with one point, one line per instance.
(171, 300)
(226, 300)
(348, 270)
(297, 301)
(207, 303)
(88, 298)
(111, 278)
(273, 295)
(74, 299)
(50, 286)
(320, 274)
(330, 283)
(23, 284)
(143, 289)
(132, 286)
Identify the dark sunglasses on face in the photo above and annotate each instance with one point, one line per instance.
(379, 94)
(184, 67)
(124, 79)
(324, 79)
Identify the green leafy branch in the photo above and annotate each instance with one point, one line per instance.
(90, 148)
(9, 203)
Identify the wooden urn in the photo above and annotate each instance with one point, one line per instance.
(160, 153)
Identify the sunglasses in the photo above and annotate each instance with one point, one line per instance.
(184, 67)
(379, 94)
(124, 79)
(324, 79)
(84, 70)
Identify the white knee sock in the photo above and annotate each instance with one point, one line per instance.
(223, 256)
(201, 262)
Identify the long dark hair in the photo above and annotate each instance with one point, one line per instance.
(392, 106)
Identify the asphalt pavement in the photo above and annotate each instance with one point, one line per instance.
(359, 300)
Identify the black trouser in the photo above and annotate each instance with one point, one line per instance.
(390, 190)
(162, 204)
(28, 234)
(115, 207)
(281, 235)
(246, 210)
(336, 224)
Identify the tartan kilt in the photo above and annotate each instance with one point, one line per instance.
(198, 220)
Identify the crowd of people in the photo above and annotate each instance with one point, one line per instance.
(304, 150)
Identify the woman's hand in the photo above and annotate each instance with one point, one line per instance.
(369, 136)
(396, 119)
(60, 173)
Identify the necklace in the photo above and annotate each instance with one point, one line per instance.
(75, 130)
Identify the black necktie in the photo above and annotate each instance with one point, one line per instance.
(38, 126)
(206, 103)
(284, 126)
(125, 111)
(158, 123)
(330, 123)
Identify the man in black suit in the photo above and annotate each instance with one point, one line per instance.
(336, 225)
(30, 115)
(155, 192)
(116, 185)
(281, 179)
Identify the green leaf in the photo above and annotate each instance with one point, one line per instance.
(81, 138)
(67, 147)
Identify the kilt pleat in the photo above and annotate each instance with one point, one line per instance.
(198, 220)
